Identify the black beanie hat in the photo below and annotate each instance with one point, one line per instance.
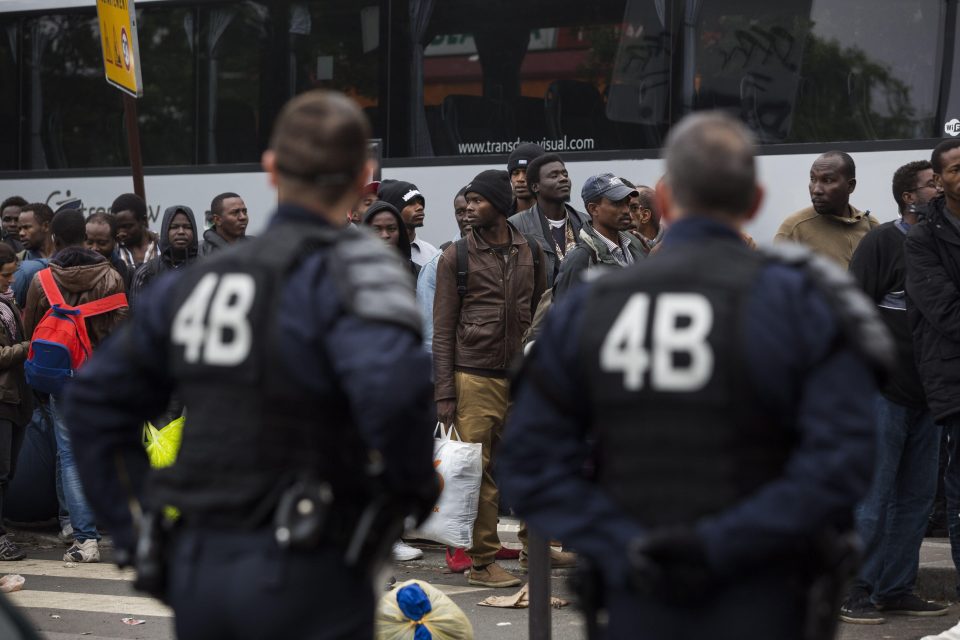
(494, 185)
(522, 156)
(400, 193)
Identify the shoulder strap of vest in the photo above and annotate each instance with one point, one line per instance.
(284, 245)
(859, 321)
(50, 288)
(103, 305)
(462, 255)
(373, 281)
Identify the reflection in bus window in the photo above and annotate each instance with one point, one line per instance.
(9, 138)
(167, 40)
(63, 58)
(234, 49)
(818, 70)
(336, 46)
(540, 76)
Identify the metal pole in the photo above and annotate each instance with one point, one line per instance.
(538, 557)
(133, 142)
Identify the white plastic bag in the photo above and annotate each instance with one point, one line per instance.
(460, 465)
(431, 609)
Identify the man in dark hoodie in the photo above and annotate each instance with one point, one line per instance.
(386, 222)
(229, 215)
(82, 276)
(178, 246)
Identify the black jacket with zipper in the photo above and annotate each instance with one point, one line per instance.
(933, 306)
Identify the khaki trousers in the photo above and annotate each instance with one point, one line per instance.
(482, 405)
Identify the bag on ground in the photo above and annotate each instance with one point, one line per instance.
(460, 465)
(415, 610)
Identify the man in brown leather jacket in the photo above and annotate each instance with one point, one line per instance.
(478, 330)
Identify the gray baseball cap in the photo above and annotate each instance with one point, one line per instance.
(606, 185)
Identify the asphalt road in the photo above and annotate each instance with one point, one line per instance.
(91, 601)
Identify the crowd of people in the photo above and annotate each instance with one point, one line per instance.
(90, 258)
(524, 245)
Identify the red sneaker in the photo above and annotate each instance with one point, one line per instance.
(506, 553)
(458, 561)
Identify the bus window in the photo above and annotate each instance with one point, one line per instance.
(67, 123)
(238, 97)
(167, 38)
(10, 96)
(335, 45)
(817, 70)
(537, 74)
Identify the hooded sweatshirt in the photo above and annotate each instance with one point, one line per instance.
(82, 276)
(168, 259)
(403, 241)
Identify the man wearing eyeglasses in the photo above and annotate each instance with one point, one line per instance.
(229, 215)
(892, 519)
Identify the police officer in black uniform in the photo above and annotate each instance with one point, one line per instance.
(700, 426)
(308, 398)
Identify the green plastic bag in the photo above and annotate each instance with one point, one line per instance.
(163, 444)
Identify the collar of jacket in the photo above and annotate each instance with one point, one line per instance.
(294, 213)
(698, 228)
(936, 216)
(516, 239)
(854, 218)
(578, 219)
(591, 238)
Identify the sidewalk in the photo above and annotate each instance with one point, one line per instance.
(936, 580)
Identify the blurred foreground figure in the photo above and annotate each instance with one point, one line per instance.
(700, 427)
(308, 395)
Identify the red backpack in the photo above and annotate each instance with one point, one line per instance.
(60, 343)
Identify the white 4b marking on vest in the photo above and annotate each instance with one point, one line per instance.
(624, 350)
(204, 336)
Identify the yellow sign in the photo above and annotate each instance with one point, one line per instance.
(118, 37)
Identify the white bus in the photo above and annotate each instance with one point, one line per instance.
(451, 85)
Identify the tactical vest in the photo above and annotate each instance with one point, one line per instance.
(253, 427)
(681, 433)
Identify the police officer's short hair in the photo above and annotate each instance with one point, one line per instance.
(710, 164)
(320, 142)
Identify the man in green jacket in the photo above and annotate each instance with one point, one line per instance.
(607, 242)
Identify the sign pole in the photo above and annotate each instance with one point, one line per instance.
(133, 143)
(538, 557)
(121, 68)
